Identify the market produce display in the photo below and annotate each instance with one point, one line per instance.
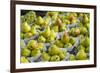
(51, 36)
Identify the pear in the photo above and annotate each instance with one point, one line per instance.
(65, 38)
(46, 32)
(41, 39)
(45, 56)
(22, 44)
(40, 21)
(81, 47)
(40, 46)
(22, 35)
(46, 21)
(81, 55)
(59, 22)
(33, 31)
(25, 27)
(25, 52)
(28, 35)
(86, 40)
(62, 56)
(24, 60)
(59, 43)
(85, 18)
(32, 44)
(54, 50)
(77, 31)
(55, 58)
(83, 30)
(35, 53)
(72, 57)
(55, 28)
(72, 41)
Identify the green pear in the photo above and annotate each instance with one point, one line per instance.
(55, 28)
(86, 40)
(41, 39)
(46, 21)
(40, 46)
(62, 56)
(83, 30)
(85, 18)
(46, 32)
(55, 58)
(24, 60)
(77, 31)
(32, 44)
(81, 55)
(80, 47)
(54, 50)
(35, 53)
(28, 35)
(45, 56)
(72, 41)
(33, 31)
(65, 38)
(72, 57)
(25, 52)
(40, 21)
(25, 27)
(59, 43)
(22, 35)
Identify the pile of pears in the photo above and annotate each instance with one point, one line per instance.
(53, 36)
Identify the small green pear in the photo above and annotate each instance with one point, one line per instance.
(59, 43)
(62, 56)
(24, 60)
(46, 32)
(40, 21)
(54, 50)
(35, 53)
(85, 18)
(55, 28)
(25, 27)
(55, 58)
(83, 30)
(41, 39)
(33, 31)
(32, 44)
(45, 56)
(28, 35)
(81, 55)
(72, 57)
(65, 38)
(40, 46)
(25, 52)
